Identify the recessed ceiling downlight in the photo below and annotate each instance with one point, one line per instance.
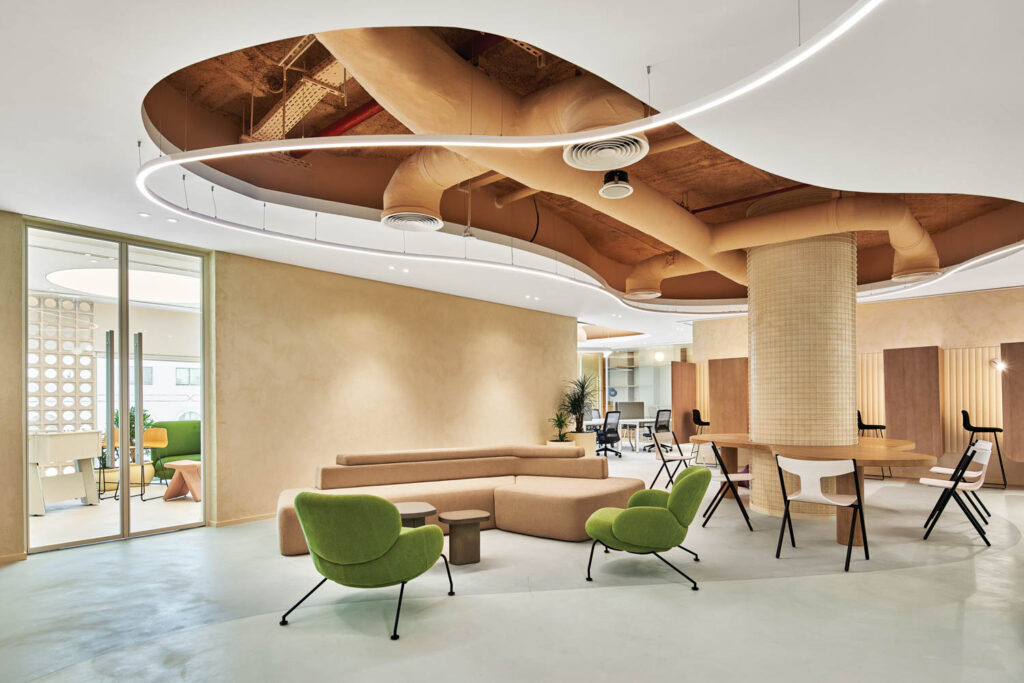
(607, 154)
(616, 185)
(412, 221)
(643, 294)
(148, 286)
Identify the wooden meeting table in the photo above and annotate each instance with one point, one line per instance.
(766, 493)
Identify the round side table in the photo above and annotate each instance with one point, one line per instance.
(414, 514)
(464, 534)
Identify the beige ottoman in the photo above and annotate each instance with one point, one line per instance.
(558, 507)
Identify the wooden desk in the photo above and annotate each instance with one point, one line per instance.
(766, 494)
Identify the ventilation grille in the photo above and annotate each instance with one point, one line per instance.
(606, 155)
(416, 222)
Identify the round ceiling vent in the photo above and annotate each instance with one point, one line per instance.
(414, 222)
(606, 155)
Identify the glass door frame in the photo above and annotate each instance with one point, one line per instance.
(126, 371)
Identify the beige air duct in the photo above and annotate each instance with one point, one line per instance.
(431, 90)
(915, 251)
(412, 199)
(644, 282)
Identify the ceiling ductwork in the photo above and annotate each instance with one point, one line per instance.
(644, 282)
(431, 90)
(412, 199)
(606, 155)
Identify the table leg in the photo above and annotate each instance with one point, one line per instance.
(194, 483)
(177, 486)
(414, 522)
(464, 543)
(844, 516)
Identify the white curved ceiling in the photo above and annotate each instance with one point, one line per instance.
(919, 97)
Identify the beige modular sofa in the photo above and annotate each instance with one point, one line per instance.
(547, 491)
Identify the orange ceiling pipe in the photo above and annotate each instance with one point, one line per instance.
(431, 90)
(915, 250)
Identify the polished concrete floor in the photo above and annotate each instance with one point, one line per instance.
(204, 604)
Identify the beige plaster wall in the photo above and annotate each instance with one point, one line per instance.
(12, 399)
(952, 321)
(309, 364)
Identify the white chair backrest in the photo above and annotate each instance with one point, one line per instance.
(811, 472)
(982, 455)
(665, 438)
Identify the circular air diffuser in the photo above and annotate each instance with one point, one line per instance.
(606, 155)
(414, 222)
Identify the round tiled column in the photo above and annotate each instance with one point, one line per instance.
(802, 299)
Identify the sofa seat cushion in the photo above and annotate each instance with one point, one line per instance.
(558, 507)
(446, 496)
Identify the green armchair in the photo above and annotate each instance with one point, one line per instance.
(653, 521)
(184, 442)
(359, 541)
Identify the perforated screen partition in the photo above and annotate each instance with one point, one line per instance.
(803, 341)
(61, 383)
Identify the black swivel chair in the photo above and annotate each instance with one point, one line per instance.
(662, 423)
(995, 432)
(608, 435)
(875, 430)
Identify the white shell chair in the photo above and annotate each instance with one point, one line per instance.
(971, 475)
(961, 479)
(811, 472)
(666, 443)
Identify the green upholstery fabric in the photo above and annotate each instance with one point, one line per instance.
(655, 521)
(359, 541)
(184, 442)
(348, 529)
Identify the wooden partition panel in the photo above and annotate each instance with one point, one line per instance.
(684, 399)
(913, 397)
(728, 397)
(1013, 401)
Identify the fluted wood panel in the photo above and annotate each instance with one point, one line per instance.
(971, 384)
(1013, 404)
(871, 388)
(703, 402)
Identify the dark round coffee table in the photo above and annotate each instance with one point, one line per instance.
(414, 514)
(464, 534)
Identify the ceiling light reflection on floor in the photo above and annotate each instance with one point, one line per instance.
(148, 286)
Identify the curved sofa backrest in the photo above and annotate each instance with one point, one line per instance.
(687, 493)
(348, 529)
(462, 453)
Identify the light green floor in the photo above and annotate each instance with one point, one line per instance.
(204, 605)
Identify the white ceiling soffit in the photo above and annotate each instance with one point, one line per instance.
(811, 125)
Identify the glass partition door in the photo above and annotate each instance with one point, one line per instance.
(112, 330)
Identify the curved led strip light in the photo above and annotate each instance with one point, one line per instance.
(843, 24)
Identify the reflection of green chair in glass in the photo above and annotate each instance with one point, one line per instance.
(184, 442)
(653, 521)
(359, 541)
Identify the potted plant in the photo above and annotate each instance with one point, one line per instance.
(108, 473)
(579, 396)
(561, 424)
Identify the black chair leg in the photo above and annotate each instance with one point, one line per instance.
(849, 544)
(591, 560)
(782, 533)
(709, 513)
(696, 558)
(677, 570)
(971, 519)
(940, 506)
(398, 612)
(977, 509)
(1002, 468)
(714, 500)
(982, 504)
(447, 569)
(664, 467)
(864, 532)
(284, 617)
(743, 509)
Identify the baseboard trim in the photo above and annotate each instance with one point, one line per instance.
(241, 520)
(12, 558)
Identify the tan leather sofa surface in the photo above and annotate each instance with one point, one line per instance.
(547, 491)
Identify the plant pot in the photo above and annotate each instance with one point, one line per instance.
(108, 478)
(586, 439)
